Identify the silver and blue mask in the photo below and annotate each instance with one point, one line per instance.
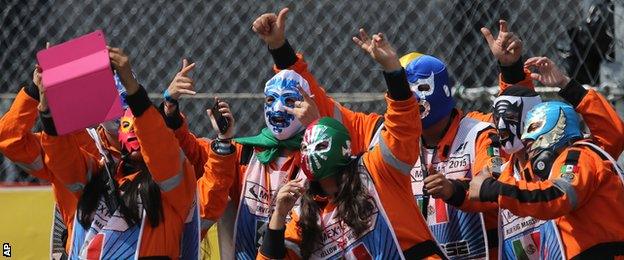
(551, 126)
(280, 92)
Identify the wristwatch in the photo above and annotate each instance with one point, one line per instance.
(222, 146)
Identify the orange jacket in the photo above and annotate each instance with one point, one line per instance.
(23, 147)
(217, 174)
(605, 125)
(167, 166)
(585, 199)
(602, 121)
(390, 174)
(17, 142)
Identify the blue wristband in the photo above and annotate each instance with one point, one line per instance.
(168, 97)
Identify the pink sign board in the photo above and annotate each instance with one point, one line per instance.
(78, 83)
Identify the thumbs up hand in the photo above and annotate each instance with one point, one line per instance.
(270, 27)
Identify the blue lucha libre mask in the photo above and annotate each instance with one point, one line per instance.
(551, 126)
(429, 81)
(279, 92)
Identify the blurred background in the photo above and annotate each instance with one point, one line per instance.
(584, 36)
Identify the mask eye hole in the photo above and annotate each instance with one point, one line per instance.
(321, 146)
(534, 126)
(503, 134)
(269, 100)
(290, 102)
(423, 87)
(511, 117)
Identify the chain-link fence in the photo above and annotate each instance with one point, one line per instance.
(233, 63)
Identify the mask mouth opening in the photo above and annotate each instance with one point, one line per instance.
(277, 120)
(504, 134)
(530, 150)
(280, 119)
(130, 144)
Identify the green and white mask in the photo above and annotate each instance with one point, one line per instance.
(326, 149)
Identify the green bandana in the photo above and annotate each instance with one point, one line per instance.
(326, 149)
(270, 144)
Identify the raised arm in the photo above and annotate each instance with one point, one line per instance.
(24, 148)
(271, 28)
(399, 141)
(507, 48)
(220, 170)
(603, 121)
(17, 142)
(159, 147)
(195, 149)
(65, 156)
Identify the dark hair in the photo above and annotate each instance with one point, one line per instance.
(91, 194)
(142, 186)
(353, 205)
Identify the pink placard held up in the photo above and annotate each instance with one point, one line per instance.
(78, 83)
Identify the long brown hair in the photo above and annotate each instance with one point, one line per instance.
(353, 206)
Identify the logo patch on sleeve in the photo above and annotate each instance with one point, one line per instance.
(568, 172)
(493, 151)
